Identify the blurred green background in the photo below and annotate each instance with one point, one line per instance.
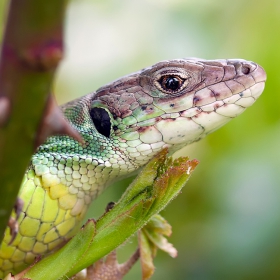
(226, 223)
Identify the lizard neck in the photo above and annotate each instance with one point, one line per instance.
(85, 171)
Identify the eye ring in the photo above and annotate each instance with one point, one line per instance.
(171, 83)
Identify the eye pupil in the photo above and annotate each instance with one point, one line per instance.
(172, 83)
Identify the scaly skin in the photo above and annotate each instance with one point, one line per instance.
(124, 124)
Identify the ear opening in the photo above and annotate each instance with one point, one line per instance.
(101, 120)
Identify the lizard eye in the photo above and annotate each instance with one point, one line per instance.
(101, 120)
(171, 83)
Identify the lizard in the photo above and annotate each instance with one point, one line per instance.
(124, 124)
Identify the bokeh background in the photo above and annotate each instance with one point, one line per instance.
(226, 223)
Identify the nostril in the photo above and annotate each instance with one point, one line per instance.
(245, 69)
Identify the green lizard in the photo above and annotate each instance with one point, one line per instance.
(124, 124)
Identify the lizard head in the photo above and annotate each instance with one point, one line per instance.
(174, 103)
(170, 104)
(124, 124)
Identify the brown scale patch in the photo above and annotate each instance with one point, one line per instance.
(215, 94)
(147, 109)
(216, 106)
(143, 129)
(196, 100)
(126, 113)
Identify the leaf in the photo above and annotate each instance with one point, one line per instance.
(150, 239)
(155, 230)
(146, 256)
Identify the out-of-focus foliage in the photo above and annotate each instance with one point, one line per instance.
(226, 223)
(3, 14)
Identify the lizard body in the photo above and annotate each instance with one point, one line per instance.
(124, 124)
